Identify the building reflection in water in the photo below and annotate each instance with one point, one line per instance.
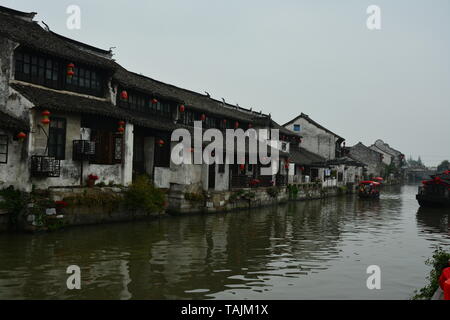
(194, 256)
(434, 220)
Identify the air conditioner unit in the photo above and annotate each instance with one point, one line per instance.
(83, 150)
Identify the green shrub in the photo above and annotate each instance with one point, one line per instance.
(14, 202)
(293, 191)
(194, 197)
(143, 195)
(95, 198)
(342, 190)
(273, 191)
(438, 262)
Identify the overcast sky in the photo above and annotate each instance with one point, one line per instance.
(287, 57)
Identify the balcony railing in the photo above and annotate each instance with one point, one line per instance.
(44, 166)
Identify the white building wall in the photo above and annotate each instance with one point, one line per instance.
(315, 139)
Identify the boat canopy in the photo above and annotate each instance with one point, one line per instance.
(374, 183)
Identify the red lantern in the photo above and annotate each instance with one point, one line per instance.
(286, 165)
(154, 101)
(242, 166)
(302, 168)
(160, 142)
(236, 124)
(224, 121)
(182, 108)
(70, 71)
(45, 120)
(203, 117)
(124, 95)
(21, 135)
(121, 128)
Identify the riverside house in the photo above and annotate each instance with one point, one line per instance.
(325, 159)
(70, 111)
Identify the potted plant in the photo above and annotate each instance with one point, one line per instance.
(91, 180)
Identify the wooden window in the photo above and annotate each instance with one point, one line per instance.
(57, 138)
(143, 103)
(37, 69)
(108, 147)
(3, 149)
(187, 118)
(297, 127)
(84, 80)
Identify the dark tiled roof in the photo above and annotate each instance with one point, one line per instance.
(307, 118)
(31, 35)
(302, 156)
(28, 15)
(60, 101)
(283, 130)
(12, 123)
(346, 161)
(191, 99)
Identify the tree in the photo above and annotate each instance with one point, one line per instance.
(415, 163)
(445, 165)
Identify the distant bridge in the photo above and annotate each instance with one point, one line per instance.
(418, 174)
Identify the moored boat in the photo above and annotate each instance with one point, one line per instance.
(369, 190)
(436, 191)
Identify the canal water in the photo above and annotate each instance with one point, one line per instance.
(306, 250)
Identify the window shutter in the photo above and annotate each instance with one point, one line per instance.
(118, 148)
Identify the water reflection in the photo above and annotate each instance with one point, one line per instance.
(313, 249)
(434, 220)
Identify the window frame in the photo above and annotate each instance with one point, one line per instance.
(6, 148)
(63, 132)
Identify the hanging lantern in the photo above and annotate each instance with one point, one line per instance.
(236, 124)
(154, 101)
(286, 165)
(121, 128)
(124, 95)
(242, 166)
(203, 117)
(70, 71)
(21, 136)
(302, 168)
(45, 114)
(160, 142)
(224, 121)
(182, 108)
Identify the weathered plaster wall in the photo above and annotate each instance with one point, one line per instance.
(70, 170)
(15, 172)
(315, 139)
(387, 158)
(222, 179)
(369, 157)
(127, 162)
(149, 150)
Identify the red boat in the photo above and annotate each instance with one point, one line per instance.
(369, 189)
(436, 191)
